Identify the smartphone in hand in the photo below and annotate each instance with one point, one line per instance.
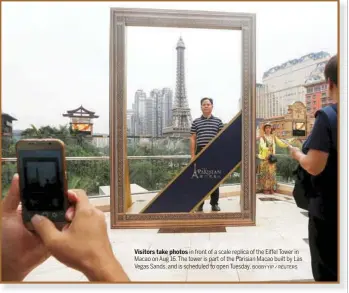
(42, 180)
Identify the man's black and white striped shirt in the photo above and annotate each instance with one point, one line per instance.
(206, 129)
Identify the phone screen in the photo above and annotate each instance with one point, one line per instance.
(42, 180)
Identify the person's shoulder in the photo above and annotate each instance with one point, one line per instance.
(325, 110)
(322, 115)
(217, 118)
(196, 119)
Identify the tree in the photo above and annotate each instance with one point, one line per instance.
(150, 174)
(285, 167)
(8, 168)
(88, 175)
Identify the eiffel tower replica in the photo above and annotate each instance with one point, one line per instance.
(181, 116)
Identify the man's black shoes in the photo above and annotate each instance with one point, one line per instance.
(215, 208)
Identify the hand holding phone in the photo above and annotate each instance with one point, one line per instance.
(21, 250)
(90, 251)
(42, 179)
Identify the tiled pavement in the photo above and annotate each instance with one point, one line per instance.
(280, 225)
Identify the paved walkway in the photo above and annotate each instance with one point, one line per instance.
(280, 226)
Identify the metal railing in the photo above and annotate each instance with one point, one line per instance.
(99, 172)
(86, 169)
(101, 158)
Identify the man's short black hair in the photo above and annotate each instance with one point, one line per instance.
(331, 70)
(203, 99)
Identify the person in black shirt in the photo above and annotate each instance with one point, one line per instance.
(319, 158)
(203, 130)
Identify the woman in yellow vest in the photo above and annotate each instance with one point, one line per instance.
(267, 168)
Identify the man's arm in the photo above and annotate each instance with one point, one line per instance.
(193, 139)
(314, 162)
(192, 145)
(221, 126)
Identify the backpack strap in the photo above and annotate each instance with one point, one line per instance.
(331, 113)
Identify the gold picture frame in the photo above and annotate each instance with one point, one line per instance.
(120, 18)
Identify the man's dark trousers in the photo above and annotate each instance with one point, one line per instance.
(215, 193)
(323, 248)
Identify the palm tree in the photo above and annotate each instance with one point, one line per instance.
(32, 132)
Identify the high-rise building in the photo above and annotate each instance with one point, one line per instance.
(284, 84)
(261, 101)
(316, 90)
(167, 96)
(149, 116)
(156, 112)
(140, 112)
(130, 123)
(181, 116)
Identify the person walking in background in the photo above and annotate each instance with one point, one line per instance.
(319, 166)
(203, 130)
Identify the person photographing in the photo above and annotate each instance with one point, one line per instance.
(318, 165)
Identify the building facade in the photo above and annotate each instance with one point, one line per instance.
(150, 114)
(284, 84)
(316, 97)
(316, 90)
(167, 96)
(7, 124)
(130, 123)
(261, 102)
(297, 123)
(139, 109)
(81, 120)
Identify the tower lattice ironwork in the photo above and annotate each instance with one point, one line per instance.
(181, 116)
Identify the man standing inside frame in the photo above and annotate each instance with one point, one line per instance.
(203, 130)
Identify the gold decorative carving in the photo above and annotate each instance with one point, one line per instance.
(120, 18)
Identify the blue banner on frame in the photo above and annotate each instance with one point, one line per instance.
(203, 174)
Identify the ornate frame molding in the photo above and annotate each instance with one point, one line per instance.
(119, 19)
